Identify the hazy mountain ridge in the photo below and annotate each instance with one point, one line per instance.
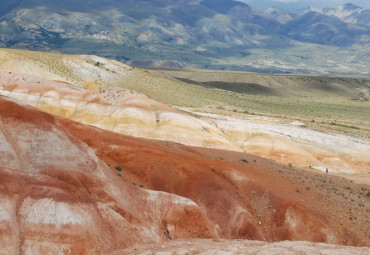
(174, 33)
(348, 13)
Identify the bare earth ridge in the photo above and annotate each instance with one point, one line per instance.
(90, 166)
(128, 112)
(261, 199)
(57, 195)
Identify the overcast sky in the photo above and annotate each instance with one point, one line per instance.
(295, 4)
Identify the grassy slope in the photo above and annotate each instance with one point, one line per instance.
(321, 102)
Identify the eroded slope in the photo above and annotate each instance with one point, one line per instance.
(57, 196)
(128, 112)
(259, 199)
(71, 188)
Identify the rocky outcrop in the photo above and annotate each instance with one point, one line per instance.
(362, 97)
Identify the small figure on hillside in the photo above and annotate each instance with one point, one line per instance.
(327, 170)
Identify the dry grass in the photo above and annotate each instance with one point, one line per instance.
(322, 103)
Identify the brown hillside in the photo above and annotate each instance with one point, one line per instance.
(259, 199)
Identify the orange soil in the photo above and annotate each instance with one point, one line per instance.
(64, 82)
(261, 199)
(56, 195)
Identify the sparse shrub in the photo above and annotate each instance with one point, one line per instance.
(368, 194)
(290, 165)
(348, 188)
(141, 186)
(134, 183)
(118, 168)
(119, 175)
(245, 160)
(281, 171)
(308, 188)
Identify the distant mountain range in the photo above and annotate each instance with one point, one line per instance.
(219, 34)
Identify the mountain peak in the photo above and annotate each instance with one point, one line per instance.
(350, 6)
(223, 6)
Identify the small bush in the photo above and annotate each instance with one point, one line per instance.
(118, 168)
(245, 160)
(290, 165)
